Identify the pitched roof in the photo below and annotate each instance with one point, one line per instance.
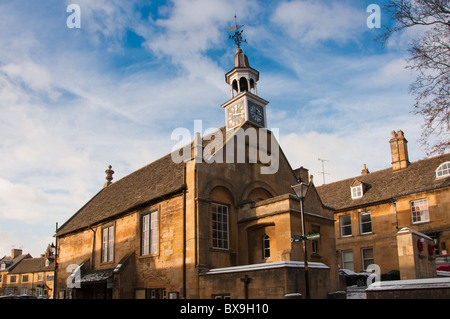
(160, 178)
(11, 263)
(29, 265)
(386, 184)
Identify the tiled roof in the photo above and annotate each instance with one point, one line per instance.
(29, 265)
(11, 263)
(386, 184)
(155, 180)
(160, 178)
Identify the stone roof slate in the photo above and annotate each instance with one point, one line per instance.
(160, 178)
(29, 265)
(386, 184)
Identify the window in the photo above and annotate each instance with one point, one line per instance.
(40, 277)
(12, 279)
(220, 226)
(150, 233)
(357, 192)
(159, 293)
(443, 170)
(346, 225)
(24, 278)
(266, 247)
(315, 246)
(419, 211)
(24, 291)
(347, 259)
(39, 291)
(365, 223)
(367, 257)
(108, 244)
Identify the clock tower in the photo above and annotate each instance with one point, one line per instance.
(245, 105)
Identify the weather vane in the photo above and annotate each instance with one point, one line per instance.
(237, 36)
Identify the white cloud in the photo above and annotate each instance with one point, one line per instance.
(21, 202)
(311, 21)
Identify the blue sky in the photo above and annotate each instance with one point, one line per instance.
(73, 101)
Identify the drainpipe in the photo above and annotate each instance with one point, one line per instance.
(184, 233)
(55, 281)
(93, 248)
(394, 202)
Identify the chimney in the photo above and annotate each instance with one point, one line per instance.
(365, 170)
(399, 151)
(15, 253)
(109, 173)
(301, 174)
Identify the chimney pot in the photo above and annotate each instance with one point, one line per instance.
(365, 170)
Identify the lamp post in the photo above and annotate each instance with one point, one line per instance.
(54, 249)
(300, 190)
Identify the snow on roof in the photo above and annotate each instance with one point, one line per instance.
(426, 283)
(409, 230)
(263, 266)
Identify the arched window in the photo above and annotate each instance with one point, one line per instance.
(443, 170)
(266, 247)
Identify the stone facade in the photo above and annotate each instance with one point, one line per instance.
(408, 195)
(164, 230)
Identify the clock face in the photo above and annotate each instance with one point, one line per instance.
(256, 114)
(235, 114)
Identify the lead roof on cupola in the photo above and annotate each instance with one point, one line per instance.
(240, 59)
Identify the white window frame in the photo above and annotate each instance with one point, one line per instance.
(357, 191)
(108, 244)
(443, 170)
(361, 223)
(149, 234)
(266, 246)
(220, 226)
(347, 262)
(39, 291)
(364, 259)
(419, 211)
(341, 226)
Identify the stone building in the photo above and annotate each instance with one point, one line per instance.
(7, 263)
(22, 274)
(213, 219)
(396, 218)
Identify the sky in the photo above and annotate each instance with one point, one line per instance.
(75, 100)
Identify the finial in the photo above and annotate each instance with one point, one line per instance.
(109, 173)
(237, 36)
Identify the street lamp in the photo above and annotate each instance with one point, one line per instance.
(300, 190)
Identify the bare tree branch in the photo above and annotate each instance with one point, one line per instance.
(430, 58)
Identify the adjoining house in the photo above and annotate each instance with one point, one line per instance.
(375, 210)
(22, 274)
(8, 286)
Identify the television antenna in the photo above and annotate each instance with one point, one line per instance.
(323, 169)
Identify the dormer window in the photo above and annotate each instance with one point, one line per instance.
(356, 189)
(443, 170)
